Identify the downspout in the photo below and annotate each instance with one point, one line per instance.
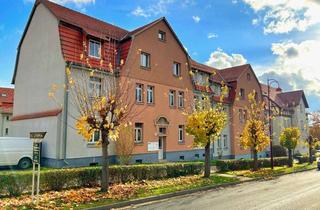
(65, 120)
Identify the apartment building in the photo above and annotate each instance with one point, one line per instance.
(289, 109)
(150, 58)
(6, 106)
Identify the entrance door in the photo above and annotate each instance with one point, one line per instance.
(162, 147)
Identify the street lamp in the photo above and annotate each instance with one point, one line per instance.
(271, 81)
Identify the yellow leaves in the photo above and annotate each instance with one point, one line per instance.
(84, 128)
(254, 135)
(81, 56)
(289, 137)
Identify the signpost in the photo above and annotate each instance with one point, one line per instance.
(36, 138)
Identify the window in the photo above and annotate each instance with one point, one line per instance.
(139, 93)
(6, 131)
(248, 76)
(181, 99)
(150, 94)
(176, 69)
(145, 60)
(7, 118)
(162, 36)
(181, 133)
(138, 132)
(3, 95)
(301, 108)
(94, 48)
(242, 94)
(225, 141)
(242, 115)
(95, 137)
(172, 95)
(181, 157)
(219, 142)
(95, 86)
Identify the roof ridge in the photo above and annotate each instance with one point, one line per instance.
(45, 2)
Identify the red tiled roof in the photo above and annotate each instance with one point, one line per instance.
(233, 73)
(216, 77)
(89, 24)
(6, 95)
(293, 98)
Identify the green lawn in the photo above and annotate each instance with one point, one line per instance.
(268, 173)
(90, 197)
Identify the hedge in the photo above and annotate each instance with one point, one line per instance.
(304, 159)
(245, 164)
(16, 183)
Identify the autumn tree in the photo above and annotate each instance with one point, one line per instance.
(313, 139)
(289, 138)
(254, 135)
(125, 144)
(205, 124)
(99, 96)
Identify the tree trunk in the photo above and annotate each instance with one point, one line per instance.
(255, 159)
(290, 164)
(207, 161)
(310, 154)
(105, 165)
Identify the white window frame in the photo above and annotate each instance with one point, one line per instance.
(145, 63)
(180, 99)
(150, 94)
(161, 35)
(219, 142)
(96, 43)
(136, 133)
(92, 140)
(242, 94)
(172, 94)
(95, 86)
(139, 90)
(225, 141)
(176, 69)
(181, 133)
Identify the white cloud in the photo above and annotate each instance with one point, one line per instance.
(234, 1)
(255, 22)
(220, 59)
(160, 8)
(212, 36)
(196, 19)
(140, 12)
(284, 16)
(296, 65)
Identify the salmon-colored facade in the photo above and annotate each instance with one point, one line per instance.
(163, 81)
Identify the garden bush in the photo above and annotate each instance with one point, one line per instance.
(18, 182)
(245, 164)
(279, 151)
(304, 159)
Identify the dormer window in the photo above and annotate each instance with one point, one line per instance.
(94, 49)
(162, 36)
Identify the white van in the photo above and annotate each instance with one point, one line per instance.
(16, 151)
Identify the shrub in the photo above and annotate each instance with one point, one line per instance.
(14, 184)
(245, 164)
(279, 151)
(304, 159)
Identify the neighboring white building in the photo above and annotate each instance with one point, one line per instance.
(289, 110)
(6, 105)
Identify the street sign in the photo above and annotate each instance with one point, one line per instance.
(37, 135)
(37, 138)
(36, 152)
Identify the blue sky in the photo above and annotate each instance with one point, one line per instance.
(279, 38)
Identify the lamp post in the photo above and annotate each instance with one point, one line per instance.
(271, 81)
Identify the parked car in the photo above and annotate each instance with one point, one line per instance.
(16, 152)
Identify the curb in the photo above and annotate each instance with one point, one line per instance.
(165, 196)
(184, 192)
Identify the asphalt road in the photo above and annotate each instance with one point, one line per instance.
(296, 191)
